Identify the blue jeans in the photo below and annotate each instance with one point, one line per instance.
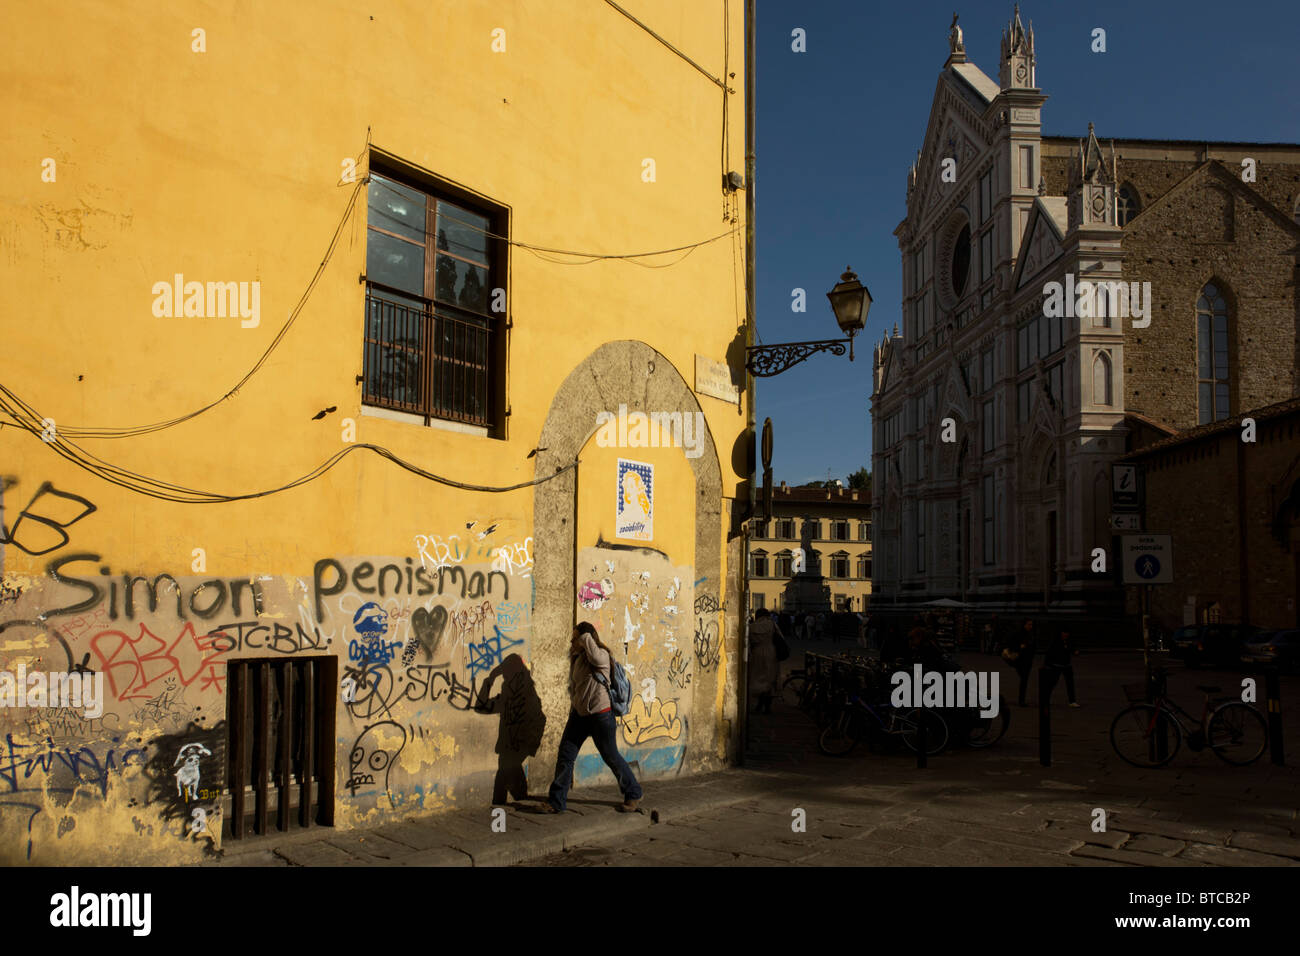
(601, 728)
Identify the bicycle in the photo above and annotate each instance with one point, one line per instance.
(1150, 735)
(792, 688)
(850, 724)
(811, 688)
(986, 731)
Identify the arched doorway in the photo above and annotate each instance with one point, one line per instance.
(688, 656)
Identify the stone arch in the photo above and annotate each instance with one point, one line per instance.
(627, 373)
(1103, 390)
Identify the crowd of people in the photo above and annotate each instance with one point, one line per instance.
(920, 642)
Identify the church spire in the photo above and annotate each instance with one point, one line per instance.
(1093, 185)
(1017, 67)
(1092, 162)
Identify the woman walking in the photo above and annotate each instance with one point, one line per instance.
(590, 716)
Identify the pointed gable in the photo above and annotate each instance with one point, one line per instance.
(1211, 171)
(957, 129)
(1041, 244)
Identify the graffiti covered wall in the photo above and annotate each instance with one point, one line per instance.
(643, 608)
(435, 702)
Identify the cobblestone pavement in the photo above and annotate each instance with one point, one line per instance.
(995, 807)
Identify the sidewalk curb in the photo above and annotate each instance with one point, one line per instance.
(464, 837)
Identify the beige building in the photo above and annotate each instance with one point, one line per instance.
(832, 526)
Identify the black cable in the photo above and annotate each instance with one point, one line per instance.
(168, 491)
(590, 256)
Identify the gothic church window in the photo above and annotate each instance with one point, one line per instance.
(1101, 393)
(1126, 205)
(961, 261)
(1212, 376)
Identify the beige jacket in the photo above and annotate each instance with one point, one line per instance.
(586, 693)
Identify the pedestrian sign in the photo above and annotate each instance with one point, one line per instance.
(1148, 558)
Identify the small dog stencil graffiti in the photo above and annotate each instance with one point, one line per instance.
(187, 778)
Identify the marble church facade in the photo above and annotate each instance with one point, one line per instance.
(1002, 401)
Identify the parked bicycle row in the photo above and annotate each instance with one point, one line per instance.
(848, 698)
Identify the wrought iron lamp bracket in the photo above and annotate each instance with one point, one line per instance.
(764, 361)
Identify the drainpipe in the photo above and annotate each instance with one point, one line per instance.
(750, 420)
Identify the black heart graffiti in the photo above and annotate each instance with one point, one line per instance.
(427, 627)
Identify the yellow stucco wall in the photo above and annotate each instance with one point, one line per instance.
(226, 165)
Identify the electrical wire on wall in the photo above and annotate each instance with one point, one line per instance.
(30, 420)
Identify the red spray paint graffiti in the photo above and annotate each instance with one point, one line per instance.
(135, 666)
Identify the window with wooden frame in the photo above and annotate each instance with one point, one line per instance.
(840, 564)
(784, 560)
(435, 302)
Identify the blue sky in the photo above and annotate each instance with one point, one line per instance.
(839, 125)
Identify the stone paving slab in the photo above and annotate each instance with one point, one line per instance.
(1131, 859)
(1080, 834)
(413, 836)
(1039, 839)
(1264, 843)
(367, 845)
(1169, 828)
(1149, 843)
(1232, 856)
(317, 854)
(436, 856)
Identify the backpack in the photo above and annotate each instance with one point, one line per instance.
(620, 689)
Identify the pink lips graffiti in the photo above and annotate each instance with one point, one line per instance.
(594, 594)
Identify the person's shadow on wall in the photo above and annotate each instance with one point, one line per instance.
(522, 722)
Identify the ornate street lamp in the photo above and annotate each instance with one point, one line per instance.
(850, 302)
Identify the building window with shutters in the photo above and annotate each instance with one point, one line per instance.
(840, 564)
(783, 564)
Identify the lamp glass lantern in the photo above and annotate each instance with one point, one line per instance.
(850, 301)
